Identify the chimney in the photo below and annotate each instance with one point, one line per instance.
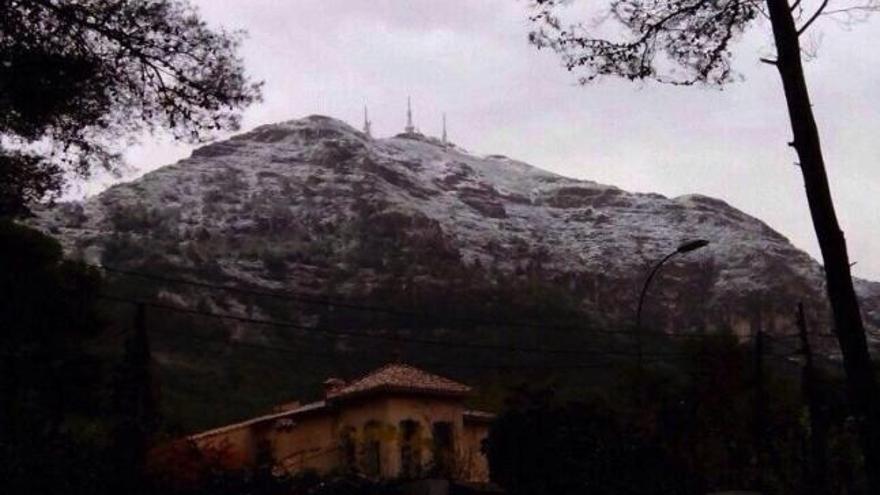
(332, 386)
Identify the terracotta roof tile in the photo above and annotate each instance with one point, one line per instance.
(401, 378)
(314, 406)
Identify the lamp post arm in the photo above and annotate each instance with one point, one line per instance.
(645, 288)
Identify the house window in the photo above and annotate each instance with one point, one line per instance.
(372, 449)
(410, 449)
(347, 447)
(444, 449)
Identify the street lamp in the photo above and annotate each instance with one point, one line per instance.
(682, 249)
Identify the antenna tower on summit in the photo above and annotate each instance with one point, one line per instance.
(368, 126)
(410, 128)
(444, 128)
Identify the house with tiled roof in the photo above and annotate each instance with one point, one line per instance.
(395, 422)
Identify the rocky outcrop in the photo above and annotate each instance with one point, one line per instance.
(314, 206)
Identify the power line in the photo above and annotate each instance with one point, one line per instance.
(300, 353)
(433, 364)
(320, 301)
(392, 338)
(343, 333)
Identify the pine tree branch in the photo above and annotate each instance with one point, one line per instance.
(813, 18)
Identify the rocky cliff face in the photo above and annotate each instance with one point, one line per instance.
(314, 206)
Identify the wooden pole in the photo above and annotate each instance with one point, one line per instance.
(760, 409)
(817, 472)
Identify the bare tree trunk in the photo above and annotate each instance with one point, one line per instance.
(861, 383)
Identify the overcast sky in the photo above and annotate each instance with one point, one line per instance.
(471, 60)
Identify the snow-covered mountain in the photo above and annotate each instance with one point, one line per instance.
(315, 206)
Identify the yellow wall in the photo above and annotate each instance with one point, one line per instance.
(389, 412)
(310, 443)
(474, 461)
(314, 440)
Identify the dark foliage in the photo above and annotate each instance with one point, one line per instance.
(25, 179)
(691, 429)
(538, 447)
(49, 386)
(182, 468)
(678, 41)
(78, 76)
(71, 421)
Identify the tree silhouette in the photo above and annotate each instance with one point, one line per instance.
(688, 42)
(78, 78)
(50, 385)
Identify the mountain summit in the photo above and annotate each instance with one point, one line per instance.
(315, 206)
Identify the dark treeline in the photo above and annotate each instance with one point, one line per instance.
(702, 426)
(76, 419)
(83, 405)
